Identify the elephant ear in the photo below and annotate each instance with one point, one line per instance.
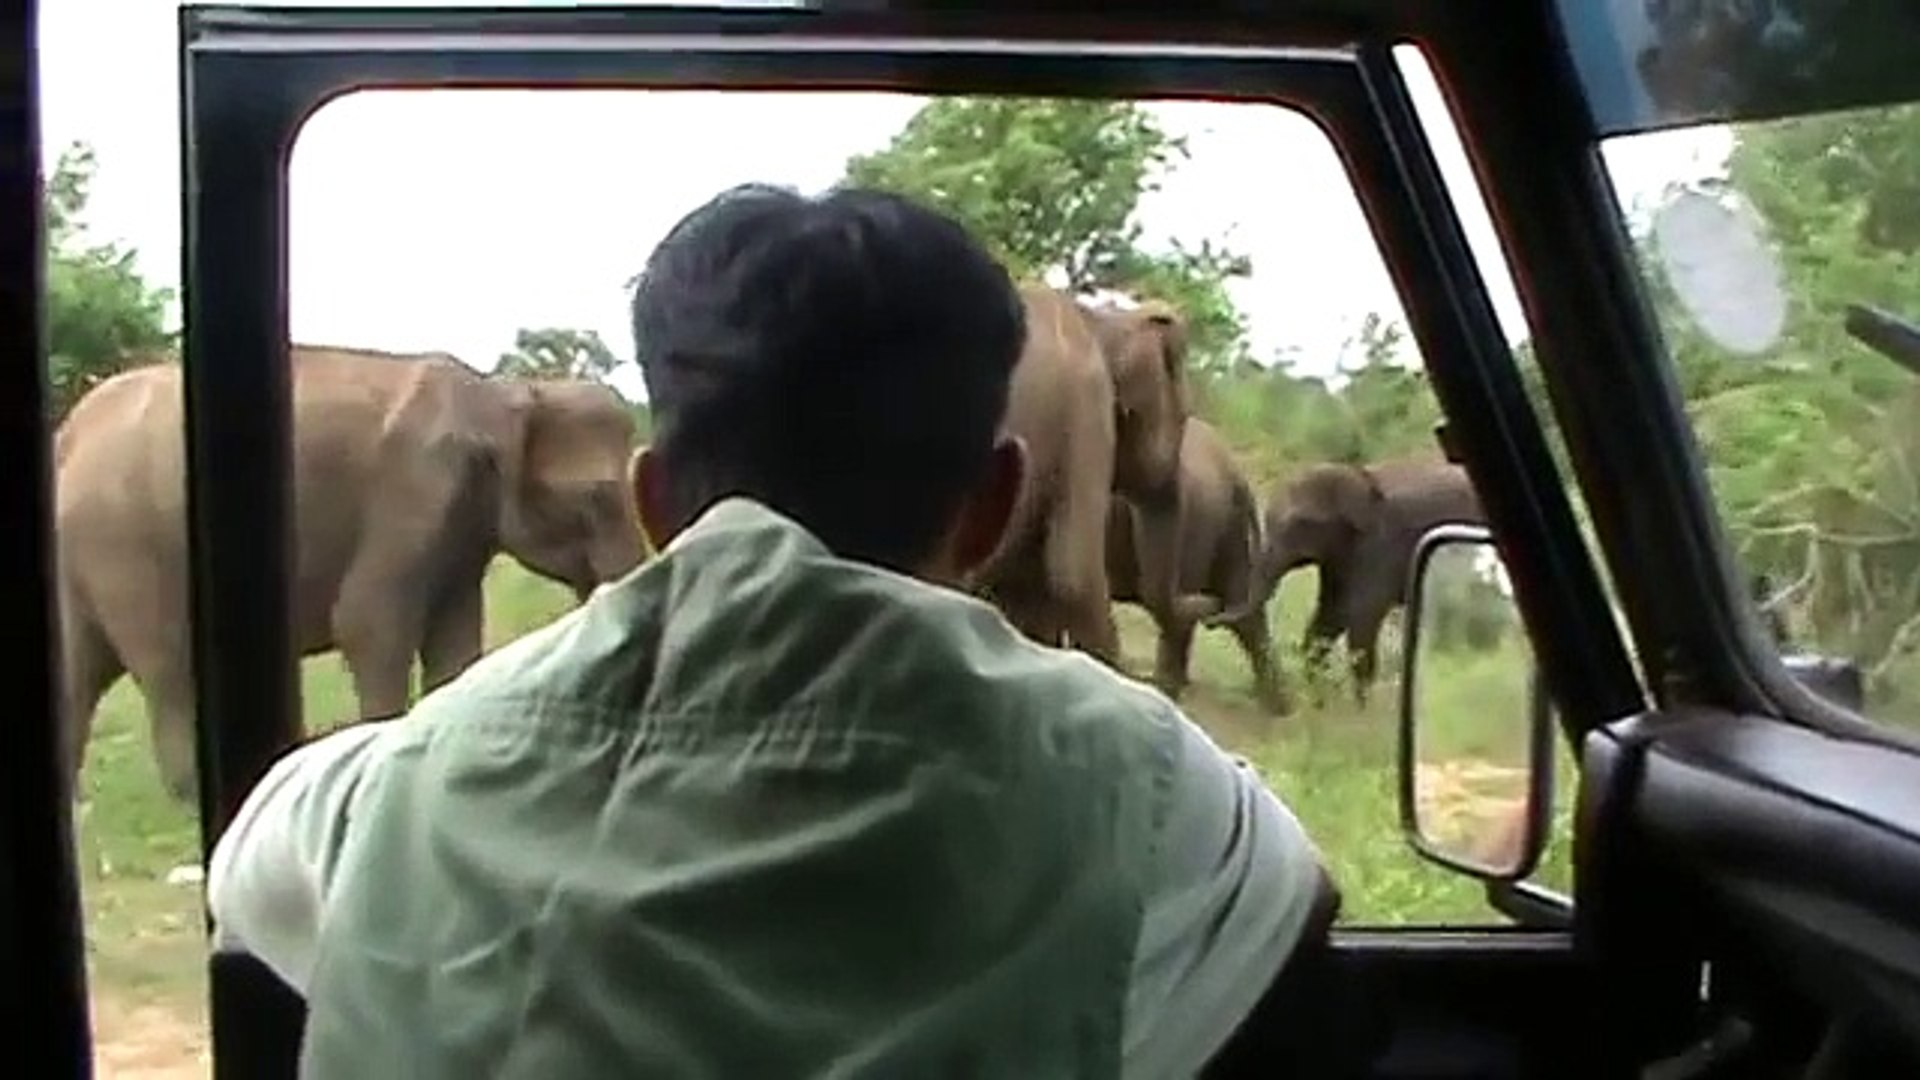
(561, 431)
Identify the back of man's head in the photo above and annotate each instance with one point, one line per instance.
(843, 359)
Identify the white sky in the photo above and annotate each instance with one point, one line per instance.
(448, 219)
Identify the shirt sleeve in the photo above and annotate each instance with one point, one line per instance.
(1234, 880)
(270, 870)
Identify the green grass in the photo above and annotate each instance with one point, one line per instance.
(1333, 764)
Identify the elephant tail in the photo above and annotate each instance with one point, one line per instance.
(1264, 575)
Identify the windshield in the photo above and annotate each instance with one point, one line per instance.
(1783, 259)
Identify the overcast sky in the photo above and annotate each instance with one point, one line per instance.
(447, 219)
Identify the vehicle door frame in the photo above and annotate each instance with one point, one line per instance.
(1678, 804)
(43, 976)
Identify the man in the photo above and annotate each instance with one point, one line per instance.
(785, 801)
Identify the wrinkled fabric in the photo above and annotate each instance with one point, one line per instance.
(756, 811)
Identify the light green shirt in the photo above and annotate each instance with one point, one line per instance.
(758, 811)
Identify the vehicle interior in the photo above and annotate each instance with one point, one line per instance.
(1745, 896)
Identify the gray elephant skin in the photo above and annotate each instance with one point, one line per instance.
(411, 473)
(1219, 527)
(1099, 397)
(1357, 525)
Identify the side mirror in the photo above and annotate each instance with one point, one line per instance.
(1476, 730)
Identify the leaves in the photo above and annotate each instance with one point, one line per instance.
(555, 353)
(101, 315)
(1051, 187)
(1810, 446)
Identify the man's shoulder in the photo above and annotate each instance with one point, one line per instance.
(1068, 691)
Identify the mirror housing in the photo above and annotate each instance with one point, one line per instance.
(1508, 848)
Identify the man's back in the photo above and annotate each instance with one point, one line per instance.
(754, 811)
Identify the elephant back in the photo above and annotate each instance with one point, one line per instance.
(1427, 492)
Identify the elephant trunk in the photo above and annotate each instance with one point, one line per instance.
(1157, 555)
(1270, 565)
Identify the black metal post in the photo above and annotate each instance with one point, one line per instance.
(43, 959)
(237, 126)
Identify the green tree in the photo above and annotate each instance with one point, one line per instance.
(1810, 446)
(1391, 404)
(557, 353)
(1051, 187)
(102, 316)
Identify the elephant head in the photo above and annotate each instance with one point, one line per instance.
(565, 513)
(1145, 348)
(1325, 511)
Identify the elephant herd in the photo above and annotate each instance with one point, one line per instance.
(412, 472)
(1134, 500)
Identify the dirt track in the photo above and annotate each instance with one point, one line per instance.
(147, 1042)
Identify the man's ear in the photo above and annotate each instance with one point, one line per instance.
(988, 509)
(646, 474)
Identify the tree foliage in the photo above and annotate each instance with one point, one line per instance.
(558, 353)
(1812, 445)
(101, 315)
(1052, 187)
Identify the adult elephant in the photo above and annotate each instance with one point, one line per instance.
(1099, 397)
(411, 472)
(1357, 524)
(1219, 529)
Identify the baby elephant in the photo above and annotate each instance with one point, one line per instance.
(1358, 525)
(1219, 547)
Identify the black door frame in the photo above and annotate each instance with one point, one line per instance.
(43, 972)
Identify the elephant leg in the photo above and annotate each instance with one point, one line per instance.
(1376, 587)
(1314, 667)
(1029, 611)
(1363, 656)
(1323, 629)
(455, 636)
(170, 716)
(1036, 618)
(1172, 655)
(1047, 626)
(1157, 542)
(378, 626)
(1256, 640)
(136, 622)
(1076, 561)
(89, 666)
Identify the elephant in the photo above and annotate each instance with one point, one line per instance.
(411, 473)
(1099, 398)
(1358, 525)
(1219, 541)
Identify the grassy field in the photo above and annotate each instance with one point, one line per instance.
(1334, 764)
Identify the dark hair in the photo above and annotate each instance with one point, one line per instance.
(843, 359)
